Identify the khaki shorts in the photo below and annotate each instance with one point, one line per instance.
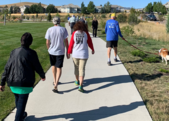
(79, 66)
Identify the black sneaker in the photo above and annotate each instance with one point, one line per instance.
(55, 91)
(109, 63)
(116, 60)
(25, 115)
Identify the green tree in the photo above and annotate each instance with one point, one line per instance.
(49, 18)
(154, 7)
(83, 8)
(164, 10)
(33, 8)
(51, 9)
(167, 25)
(39, 8)
(36, 15)
(26, 11)
(107, 7)
(91, 7)
(132, 11)
(57, 15)
(16, 9)
(11, 10)
(149, 8)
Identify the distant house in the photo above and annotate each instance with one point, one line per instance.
(116, 8)
(98, 9)
(2, 8)
(70, 8)
(22, 8)
(167, 6)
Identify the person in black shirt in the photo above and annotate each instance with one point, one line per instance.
(94, 26)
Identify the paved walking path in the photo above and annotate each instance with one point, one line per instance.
(111, 94)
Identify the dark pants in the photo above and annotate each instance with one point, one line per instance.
(20, 101)
(71, 26)
(94, 32)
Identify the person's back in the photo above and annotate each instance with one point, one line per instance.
(56, 35)
(95, 24)
(112, 30)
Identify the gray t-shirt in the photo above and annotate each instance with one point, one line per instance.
(56, 35)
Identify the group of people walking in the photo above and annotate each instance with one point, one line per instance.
(20, 69)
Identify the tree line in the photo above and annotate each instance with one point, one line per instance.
(156, 7)
(91, 8)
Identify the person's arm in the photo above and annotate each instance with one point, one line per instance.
(67, 45)
(106, 28)
(37, 66)
(92, 24)
(71, 44)
(97, 24)
(118, 30)
(5, 74)
(90, 43)
(47, 43)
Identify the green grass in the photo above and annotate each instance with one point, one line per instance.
(138, 53)
(152, 84)
(10, 36)
(164, 70)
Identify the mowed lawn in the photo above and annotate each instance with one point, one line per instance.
(10, 36)
(152, 84)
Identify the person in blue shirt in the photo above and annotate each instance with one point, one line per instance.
(112, 31)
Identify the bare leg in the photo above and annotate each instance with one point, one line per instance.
(58, 75)
(109, 52)
(81, 79)
(54, 73)
(115, 52)
(77, 77)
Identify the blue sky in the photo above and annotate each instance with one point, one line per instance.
(124, 3)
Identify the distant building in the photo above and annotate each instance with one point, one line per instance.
(116, 8)
(22, 8)
(167, 6)
(70, 8)
(98, 9)
(2, 8)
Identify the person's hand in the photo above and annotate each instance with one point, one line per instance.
(93, 52)
(43, 79)
(123, 38)
(68, 56)
(2, 88)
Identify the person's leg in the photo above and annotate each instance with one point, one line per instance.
(76, 72)
(16, 99)
(93, 32)
(21, 105)
(109, 53)
(96, 32)
(54, 73)
(115, 52)
(58, 75)
(82, 65)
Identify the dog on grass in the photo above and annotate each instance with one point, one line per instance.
(163, 52)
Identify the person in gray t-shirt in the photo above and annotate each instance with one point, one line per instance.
(56, 41)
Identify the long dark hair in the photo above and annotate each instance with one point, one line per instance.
(80, 26)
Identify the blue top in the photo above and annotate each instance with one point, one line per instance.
(112, 30)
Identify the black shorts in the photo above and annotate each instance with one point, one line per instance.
(56, 60)
(111, 44)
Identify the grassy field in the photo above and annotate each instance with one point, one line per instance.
(10, 39)
(152, 84)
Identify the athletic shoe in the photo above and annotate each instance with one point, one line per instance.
(76, 83)
(55, 91)
(116, 60)
(25, 115)
(81, 89)
(109, 63)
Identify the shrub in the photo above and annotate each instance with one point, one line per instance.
(49, 18)
(27, 17)
(127, 30)
(103, 32)
(57, 15)
(89, 22)
(103, 24)
(167, 25)
(133, 19)
(160, 17)
(151, 60)
(36, 15)
(138, 53)
(164, 70)
(109, 15)
(33, 16)
(13, 17)
(103, 16)
(121, 18)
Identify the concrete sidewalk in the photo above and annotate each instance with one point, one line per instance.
(111, 94)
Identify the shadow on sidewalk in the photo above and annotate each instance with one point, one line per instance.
(111, 81)
(96, 114)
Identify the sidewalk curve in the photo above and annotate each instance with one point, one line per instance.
(111, 94)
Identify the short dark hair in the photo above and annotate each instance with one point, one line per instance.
(80, 26)
(26, 39)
